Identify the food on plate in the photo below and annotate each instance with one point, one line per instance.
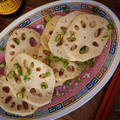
(36, 64)
(36, 78)
(63, 69)
(56, 40)
(49, 28)
(22, 40)
(86, 37)
(11, 103)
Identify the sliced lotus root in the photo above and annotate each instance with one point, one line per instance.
(56, 39)
(32, 75)
(63, 69)
(22, 40)
(11, 103)
(86, 37)
(48, 31)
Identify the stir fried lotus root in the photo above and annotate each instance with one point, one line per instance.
(11, 103)
(86, 37)
(36, 78)
(22, 40)
(63, 69)
(48, 31)
(56, 40)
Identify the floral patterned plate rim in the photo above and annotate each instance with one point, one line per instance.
(75, 93)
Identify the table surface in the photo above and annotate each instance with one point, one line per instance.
(88, 110)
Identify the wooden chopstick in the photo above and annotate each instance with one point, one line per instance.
(109, 97)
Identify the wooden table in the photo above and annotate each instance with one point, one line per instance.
(87, 111)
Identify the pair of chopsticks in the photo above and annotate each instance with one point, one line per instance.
(109, 97)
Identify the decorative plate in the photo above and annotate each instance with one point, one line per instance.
(73, 95)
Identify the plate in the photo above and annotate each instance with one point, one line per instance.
(69, 97)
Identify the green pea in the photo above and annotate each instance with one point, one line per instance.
(82, 50)
(35, 56)
(47, 74)
(54, 91)
(17, 41)
(44, 23)
(1, 49)
(16, 65)
(63, 32)
(56, 58)
(105, 36)
(23, 36)
(28, 71)
(83, 67)
(48, 18)
(20, 95)
(11, 74)
(2, 64)
(110, 26)
(77, 80)
(25, 78)
(20, 73)
(58, 38)
(44, 85)
(90, 62)
(67, 82)
(23, 90)
(62, 93)
(65, 63)
(79, 63)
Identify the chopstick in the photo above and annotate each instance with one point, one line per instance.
(109, 97)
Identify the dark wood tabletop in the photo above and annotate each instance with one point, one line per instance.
(88, 110)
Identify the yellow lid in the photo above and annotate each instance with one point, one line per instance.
(9, 6)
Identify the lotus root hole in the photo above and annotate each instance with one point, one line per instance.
(76, 27)
(102, 39)
(73, 47)
(32, 108)
(17, 79)
(63, 28)
(33, 42)
(8, 99)
(92, 24)
(66, 44)
(98, 32)
(51, 32)
(44, 85)
(95, 44)
(61, 72)
(19, 107)
(70, 68)
(38, 69)
(32, 64)
(83, 24)
(25, 105)
(12, 104)
(84, 37)
(12, 46)
(6, 89)
(84, 49)
(25, 63)
(12, 53)
(29, 78)
(32, 90)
